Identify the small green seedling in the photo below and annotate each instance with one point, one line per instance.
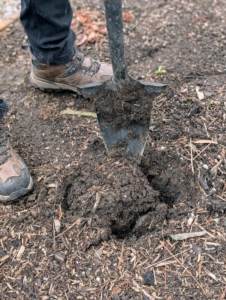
(187, 101)
(160, 71)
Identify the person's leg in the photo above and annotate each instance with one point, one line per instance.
(15, 179)
(47, 24)
(56, 63)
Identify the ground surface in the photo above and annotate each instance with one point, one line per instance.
(94, 226)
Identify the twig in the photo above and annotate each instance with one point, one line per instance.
(98, 197)
(221, 198)
(135, 284)
(202, 151)
(183, 266)
(159, 262)
(222, 297)
(117, 287)
(213, 171)
(67, 229)
(54, 236)
(120, 260)
(192, 164)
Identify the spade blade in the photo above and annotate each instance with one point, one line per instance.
(124, 142)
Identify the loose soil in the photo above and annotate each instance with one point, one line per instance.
(99, 227)
(124, 107)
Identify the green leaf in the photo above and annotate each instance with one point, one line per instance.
(160, 71)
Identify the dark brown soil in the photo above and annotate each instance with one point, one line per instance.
(94, 225)
(124, 106)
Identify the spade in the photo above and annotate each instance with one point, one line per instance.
(123, 104)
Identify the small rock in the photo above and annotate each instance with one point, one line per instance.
(212, 191)
(60, 257)
(169, 95)
(149, 278)
(205, 167)
(15, 243)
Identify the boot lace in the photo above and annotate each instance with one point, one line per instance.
(4, 148)
(77, 61)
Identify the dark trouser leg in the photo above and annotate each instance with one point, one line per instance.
(3, 108)
(47, 24)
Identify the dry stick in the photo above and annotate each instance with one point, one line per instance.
(222, 297)
(135, 284)
(221, 198)
(206, 130)
(183, 266)
(117, 287)
(67, 229)
(222, 194)
(213, 171)
(202, 151)
(121, 258)
(192, 165)
(159, 262)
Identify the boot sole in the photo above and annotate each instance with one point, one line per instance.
(17, 194)
(49, 86)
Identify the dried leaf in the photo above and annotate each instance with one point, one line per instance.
(94, 27)
(82, 41)
(103, 31)
(127, 16)
(92, 37)
(78, 113)
(82, 19)
(184, 236)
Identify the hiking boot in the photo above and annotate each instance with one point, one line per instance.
(78, 71)
(15, 179)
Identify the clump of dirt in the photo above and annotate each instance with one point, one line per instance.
(126, 105)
